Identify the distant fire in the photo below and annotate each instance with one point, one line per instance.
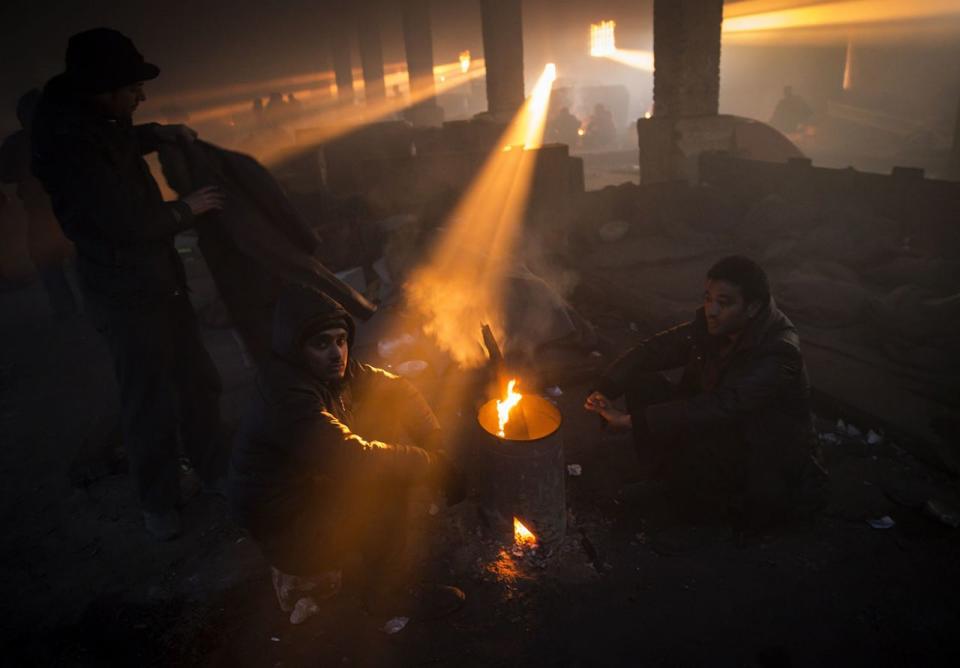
(464, 61)
(522, 536)
(504, 407)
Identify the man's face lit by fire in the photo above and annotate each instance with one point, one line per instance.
(326, 354)
(120, 104)
(726, 311)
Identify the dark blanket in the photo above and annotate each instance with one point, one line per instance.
(257, 243)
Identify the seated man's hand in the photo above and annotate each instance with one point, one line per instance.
(598, 403)
(174, 133)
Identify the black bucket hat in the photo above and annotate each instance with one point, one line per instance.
(102, 59)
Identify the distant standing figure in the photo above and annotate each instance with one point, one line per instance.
(791, 112)
(601, 130)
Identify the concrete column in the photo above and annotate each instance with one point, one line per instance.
(339, 39)
(371, 53)
(418, 42)
(502, 26)
(686, 48)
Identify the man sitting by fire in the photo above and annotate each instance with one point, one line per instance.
(736, 434)
(319, 471)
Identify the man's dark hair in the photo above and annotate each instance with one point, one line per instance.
(745, 274)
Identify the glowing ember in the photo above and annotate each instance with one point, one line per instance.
(464, 61)
(522, 536)
(504, 407)
(602, 40)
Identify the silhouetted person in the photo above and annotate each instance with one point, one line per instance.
(735, 436)
(49, 250)
(88, 154)
(791, 112)
(564, 127)
(600, 131)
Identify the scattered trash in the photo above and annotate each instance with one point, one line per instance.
(411, 368)
(305, 608)
(274, 639)
(434, 509)
(596, 353)
(614, 230)
(841, 427)
(943, 512)
(395, 625)
(387, 348)
(885, 522)
(830, 438)
(574, 469)
(634, 327)
(554, 391)
(853, 431)
(873, 438)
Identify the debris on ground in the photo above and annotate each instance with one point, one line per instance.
(885, 522)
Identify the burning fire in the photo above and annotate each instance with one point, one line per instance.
(464, 61)
(503, 413)
(522, 536)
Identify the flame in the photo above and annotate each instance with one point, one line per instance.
(522, 535)
(503, 410)
(464, 61)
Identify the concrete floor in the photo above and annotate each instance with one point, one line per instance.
(84, 585)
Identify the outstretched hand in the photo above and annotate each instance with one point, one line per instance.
(175, 133)
(208, 198)
(598, 403)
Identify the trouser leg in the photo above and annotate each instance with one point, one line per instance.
(198, 388)
(59, 293)
(141, 347)
(647, 390)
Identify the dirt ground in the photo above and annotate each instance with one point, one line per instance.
(84, 585)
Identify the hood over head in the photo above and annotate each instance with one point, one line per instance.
(302, 311)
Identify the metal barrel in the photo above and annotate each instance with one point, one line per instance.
(523, 475)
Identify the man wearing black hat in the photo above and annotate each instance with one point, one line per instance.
(325, 459)
(88, 155)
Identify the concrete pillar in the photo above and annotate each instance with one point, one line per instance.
(502, 26)
(418, 41)
(686, 48)
(371, 54)
(339, 39)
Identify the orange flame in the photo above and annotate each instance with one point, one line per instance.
(464, 61)
(522, 535)
(504, 407)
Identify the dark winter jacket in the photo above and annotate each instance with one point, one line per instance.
(758, 392)
(297, 445)
(107, 201)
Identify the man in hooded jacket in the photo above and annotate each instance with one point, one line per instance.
(736, 434)
(320, 467)
(89, 157)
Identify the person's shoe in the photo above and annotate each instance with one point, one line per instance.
(164, 525)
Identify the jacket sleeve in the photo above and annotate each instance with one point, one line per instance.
(90, 185)
(772, 371)
(324, 444)
(669, 349)
(405, 401)
(147, 137)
